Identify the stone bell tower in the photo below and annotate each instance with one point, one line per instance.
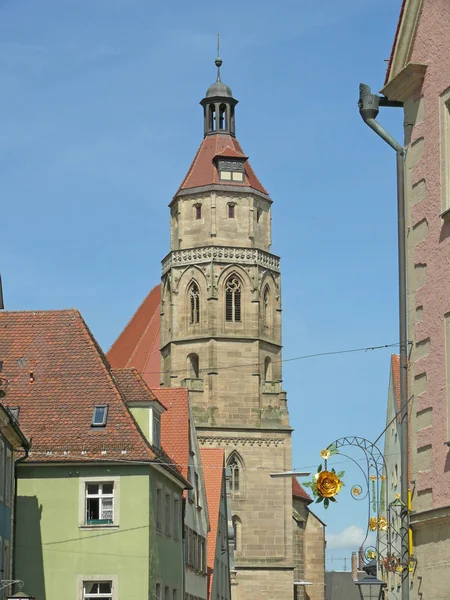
(221, 338)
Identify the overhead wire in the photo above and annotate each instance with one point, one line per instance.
(274, 362)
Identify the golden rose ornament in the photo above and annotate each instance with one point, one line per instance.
(373, 524)
(382, 523)
(325, 454)
(328, 484)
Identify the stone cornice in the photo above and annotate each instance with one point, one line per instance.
(239, 189)
(403, 85)
(434, 516)
(221, 254)
(239, 441)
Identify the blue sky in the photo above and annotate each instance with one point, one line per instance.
(99, 121)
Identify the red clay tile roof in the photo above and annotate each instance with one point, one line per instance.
(213, 463)
(394, 45)
(203, 171)
(229, 152)
(70, 376)
(175, 425)
(133, 387)
(298, 491)
(138, 344)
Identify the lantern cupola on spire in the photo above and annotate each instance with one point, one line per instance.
(218, 107)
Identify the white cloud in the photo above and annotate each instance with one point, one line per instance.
(351, 537)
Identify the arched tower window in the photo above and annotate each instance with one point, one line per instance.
(267, 369)
(237, 529)
(212, 117)
(233, 299)
(193, 365)
(194, 303)
(234, 463)
(223, 117)
(266, 306)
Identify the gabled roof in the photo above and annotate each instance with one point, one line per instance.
(394, 44)
(229, 152)
(138, 344)
(404, 37)
(298, 491)
(213, 463)
(203, 172)
(56, 374)
(175, 425)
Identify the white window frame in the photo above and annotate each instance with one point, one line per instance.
(81, 579)
(8, 477)
(101, 423)
(82, 498)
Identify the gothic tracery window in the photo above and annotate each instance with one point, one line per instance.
(194, 303)
(233, 299)
(235, 467)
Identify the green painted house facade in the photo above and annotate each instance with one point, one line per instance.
(59, 550)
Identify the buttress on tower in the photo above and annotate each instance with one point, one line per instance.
(221, 338)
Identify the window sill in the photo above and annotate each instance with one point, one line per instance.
(99, 526)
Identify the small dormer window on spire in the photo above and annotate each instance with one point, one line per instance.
(231, 169)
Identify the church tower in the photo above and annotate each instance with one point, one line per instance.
(221, 338)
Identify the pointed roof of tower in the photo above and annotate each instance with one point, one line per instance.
(203, 170)
(138, 344)
(219, 143)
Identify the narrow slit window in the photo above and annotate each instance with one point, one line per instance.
(266, 306)
(231, 211)
(99, 415)
(198, 211)
(233, 299)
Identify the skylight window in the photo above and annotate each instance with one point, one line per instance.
(99, 415)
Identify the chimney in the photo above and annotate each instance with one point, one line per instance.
(361, 559)
(354, 566)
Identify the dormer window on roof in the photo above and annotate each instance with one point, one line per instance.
(99, 415)
(231, 169)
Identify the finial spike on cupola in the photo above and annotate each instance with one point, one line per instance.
(218, 61)
(218, 104)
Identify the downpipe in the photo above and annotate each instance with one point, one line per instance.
(369, 108)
